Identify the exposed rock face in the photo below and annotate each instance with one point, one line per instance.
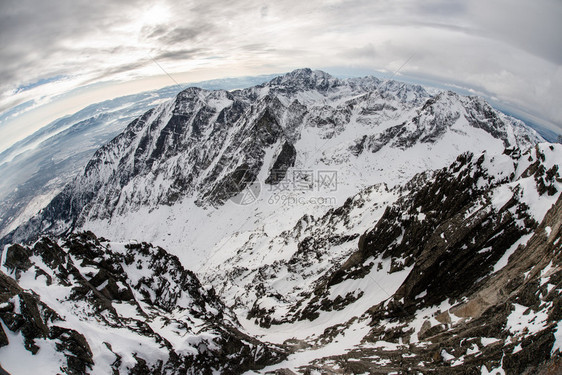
(472, 258)
(200, 144)
(508, 320)
(473, 318)
(130, 292)
(452, 269)
(284, 161)
(22, 311)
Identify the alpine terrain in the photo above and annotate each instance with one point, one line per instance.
(308, 225)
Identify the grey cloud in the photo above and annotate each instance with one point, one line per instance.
(366, 52)
(466, 39)
(123, 68)
(44, 24)
(33, 32)
(178, 54)
(168, 36)
(258, 48)
(533, 26)
(442, 8)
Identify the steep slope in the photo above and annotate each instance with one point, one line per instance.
(193, 154)
(83, 305)
(37, 168)
(456, 276)
(348, 226)
(449, 273)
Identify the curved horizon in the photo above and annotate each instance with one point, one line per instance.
(59, 58)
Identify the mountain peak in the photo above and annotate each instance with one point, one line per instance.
(313, 209)
(306, 78)
(246, 131)
(307, 72)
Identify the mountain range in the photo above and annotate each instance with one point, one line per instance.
(308, 224)
(42, 164)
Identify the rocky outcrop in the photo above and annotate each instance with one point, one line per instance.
(509, 321)
(23, 312)
(462, 310)
(472, 255)
(284, 160)
(133, 291)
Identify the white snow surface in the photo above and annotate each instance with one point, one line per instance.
(19, 361)
(261, 237)
(180, 327)
(196, 233)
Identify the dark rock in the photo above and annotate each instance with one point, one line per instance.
(75, 347)
(34, 326)
(282, 371)
(8, 288)
(17, 259)
(285, 159)
(161, 288)
(3, 338)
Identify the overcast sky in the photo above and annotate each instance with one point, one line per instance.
(507, 50)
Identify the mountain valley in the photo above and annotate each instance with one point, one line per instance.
(309, 224)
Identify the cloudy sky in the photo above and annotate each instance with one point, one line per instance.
(59, 56)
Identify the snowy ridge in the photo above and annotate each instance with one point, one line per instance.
(41, 165)
(294, 261)
(396, 272)
(105, 307)
(421, 278)
(385, 229)
(206, 146)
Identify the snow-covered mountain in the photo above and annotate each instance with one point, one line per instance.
(84, 305)
(37, 168)
(338, 226)
(460, 274)
(205, 147)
